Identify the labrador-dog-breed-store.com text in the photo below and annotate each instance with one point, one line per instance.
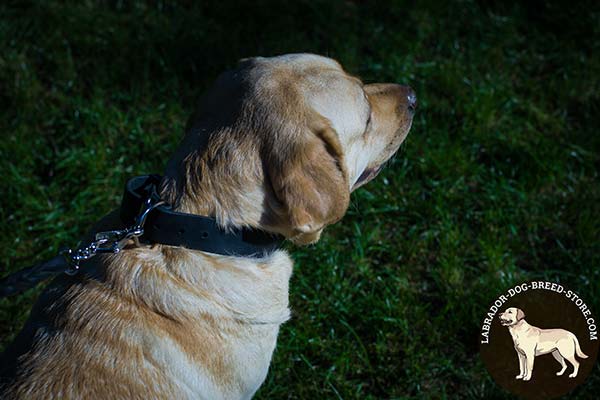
(277, 144)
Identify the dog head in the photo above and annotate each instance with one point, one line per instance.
(280, 143)
(511, 316)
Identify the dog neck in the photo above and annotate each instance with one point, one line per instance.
(210, 183)
(231, 207)
(252, 290)
(520, 326)
(185, 284)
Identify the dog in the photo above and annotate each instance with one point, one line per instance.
(531, 341)
(276, 144)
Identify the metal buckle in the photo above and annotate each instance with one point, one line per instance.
(109, 241)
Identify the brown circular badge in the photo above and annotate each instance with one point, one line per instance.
(539, 340)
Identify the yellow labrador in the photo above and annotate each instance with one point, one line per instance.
(531, 341)
(276, 144)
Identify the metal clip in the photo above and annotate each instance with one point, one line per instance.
(109, 241)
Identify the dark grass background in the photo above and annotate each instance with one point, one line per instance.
(497, 182)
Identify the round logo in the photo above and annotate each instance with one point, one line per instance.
(539, 340)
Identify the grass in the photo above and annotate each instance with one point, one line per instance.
(496, 184)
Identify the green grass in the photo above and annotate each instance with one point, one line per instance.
(497, 182)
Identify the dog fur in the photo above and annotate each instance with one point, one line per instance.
(276, 144)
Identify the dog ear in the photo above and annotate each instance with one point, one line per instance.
(520, 314)
(309, 179)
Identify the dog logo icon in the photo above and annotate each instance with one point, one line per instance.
(554, 334)
(531, 341)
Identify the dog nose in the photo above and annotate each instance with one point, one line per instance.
(411, 99)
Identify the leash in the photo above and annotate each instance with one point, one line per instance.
(149, 220)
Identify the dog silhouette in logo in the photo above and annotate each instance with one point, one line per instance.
(531, 341)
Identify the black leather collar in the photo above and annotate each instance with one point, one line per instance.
(195, 232)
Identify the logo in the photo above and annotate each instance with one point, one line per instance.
(539, 340)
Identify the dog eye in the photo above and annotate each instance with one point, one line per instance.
(510, 311)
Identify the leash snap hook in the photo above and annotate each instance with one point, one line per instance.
(109, 241)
